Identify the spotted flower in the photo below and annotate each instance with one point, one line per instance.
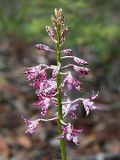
(70, 109)
(89, 104)
(43, 103)
(70, 82)
(70, 133)
(32, 126)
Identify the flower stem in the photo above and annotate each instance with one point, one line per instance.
(60, 116)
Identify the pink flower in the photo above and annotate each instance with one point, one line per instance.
(70, 109)
(47, 88)
(32, 126)
(89, 104)
(70, 133)
(35, 75)
(32, 72)
(43, 103)
(70, 82)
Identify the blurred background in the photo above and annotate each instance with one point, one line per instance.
(94, 36)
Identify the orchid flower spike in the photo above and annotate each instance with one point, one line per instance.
(52, 84)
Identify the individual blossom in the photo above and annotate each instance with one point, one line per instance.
(35, 73)
(89, 104)
(43, 103)
(47, 88)
(70, 82)
(69, 109)
(32, 125)
(32, 72)
(70, 133)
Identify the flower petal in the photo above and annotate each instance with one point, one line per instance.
(69, 137)
(75, 140)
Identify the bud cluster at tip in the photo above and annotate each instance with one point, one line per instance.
(46, 87)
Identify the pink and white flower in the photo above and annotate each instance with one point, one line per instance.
(70, 133)
(32, 126)
(43, 103)
(70, 82)
(32, 72)
(89, 104)
(69, 109)
(47, 88)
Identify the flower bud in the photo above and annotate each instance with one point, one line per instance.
(64, 33)
(51, 33)
(81, 70)
(67, 51)
(44, 47)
